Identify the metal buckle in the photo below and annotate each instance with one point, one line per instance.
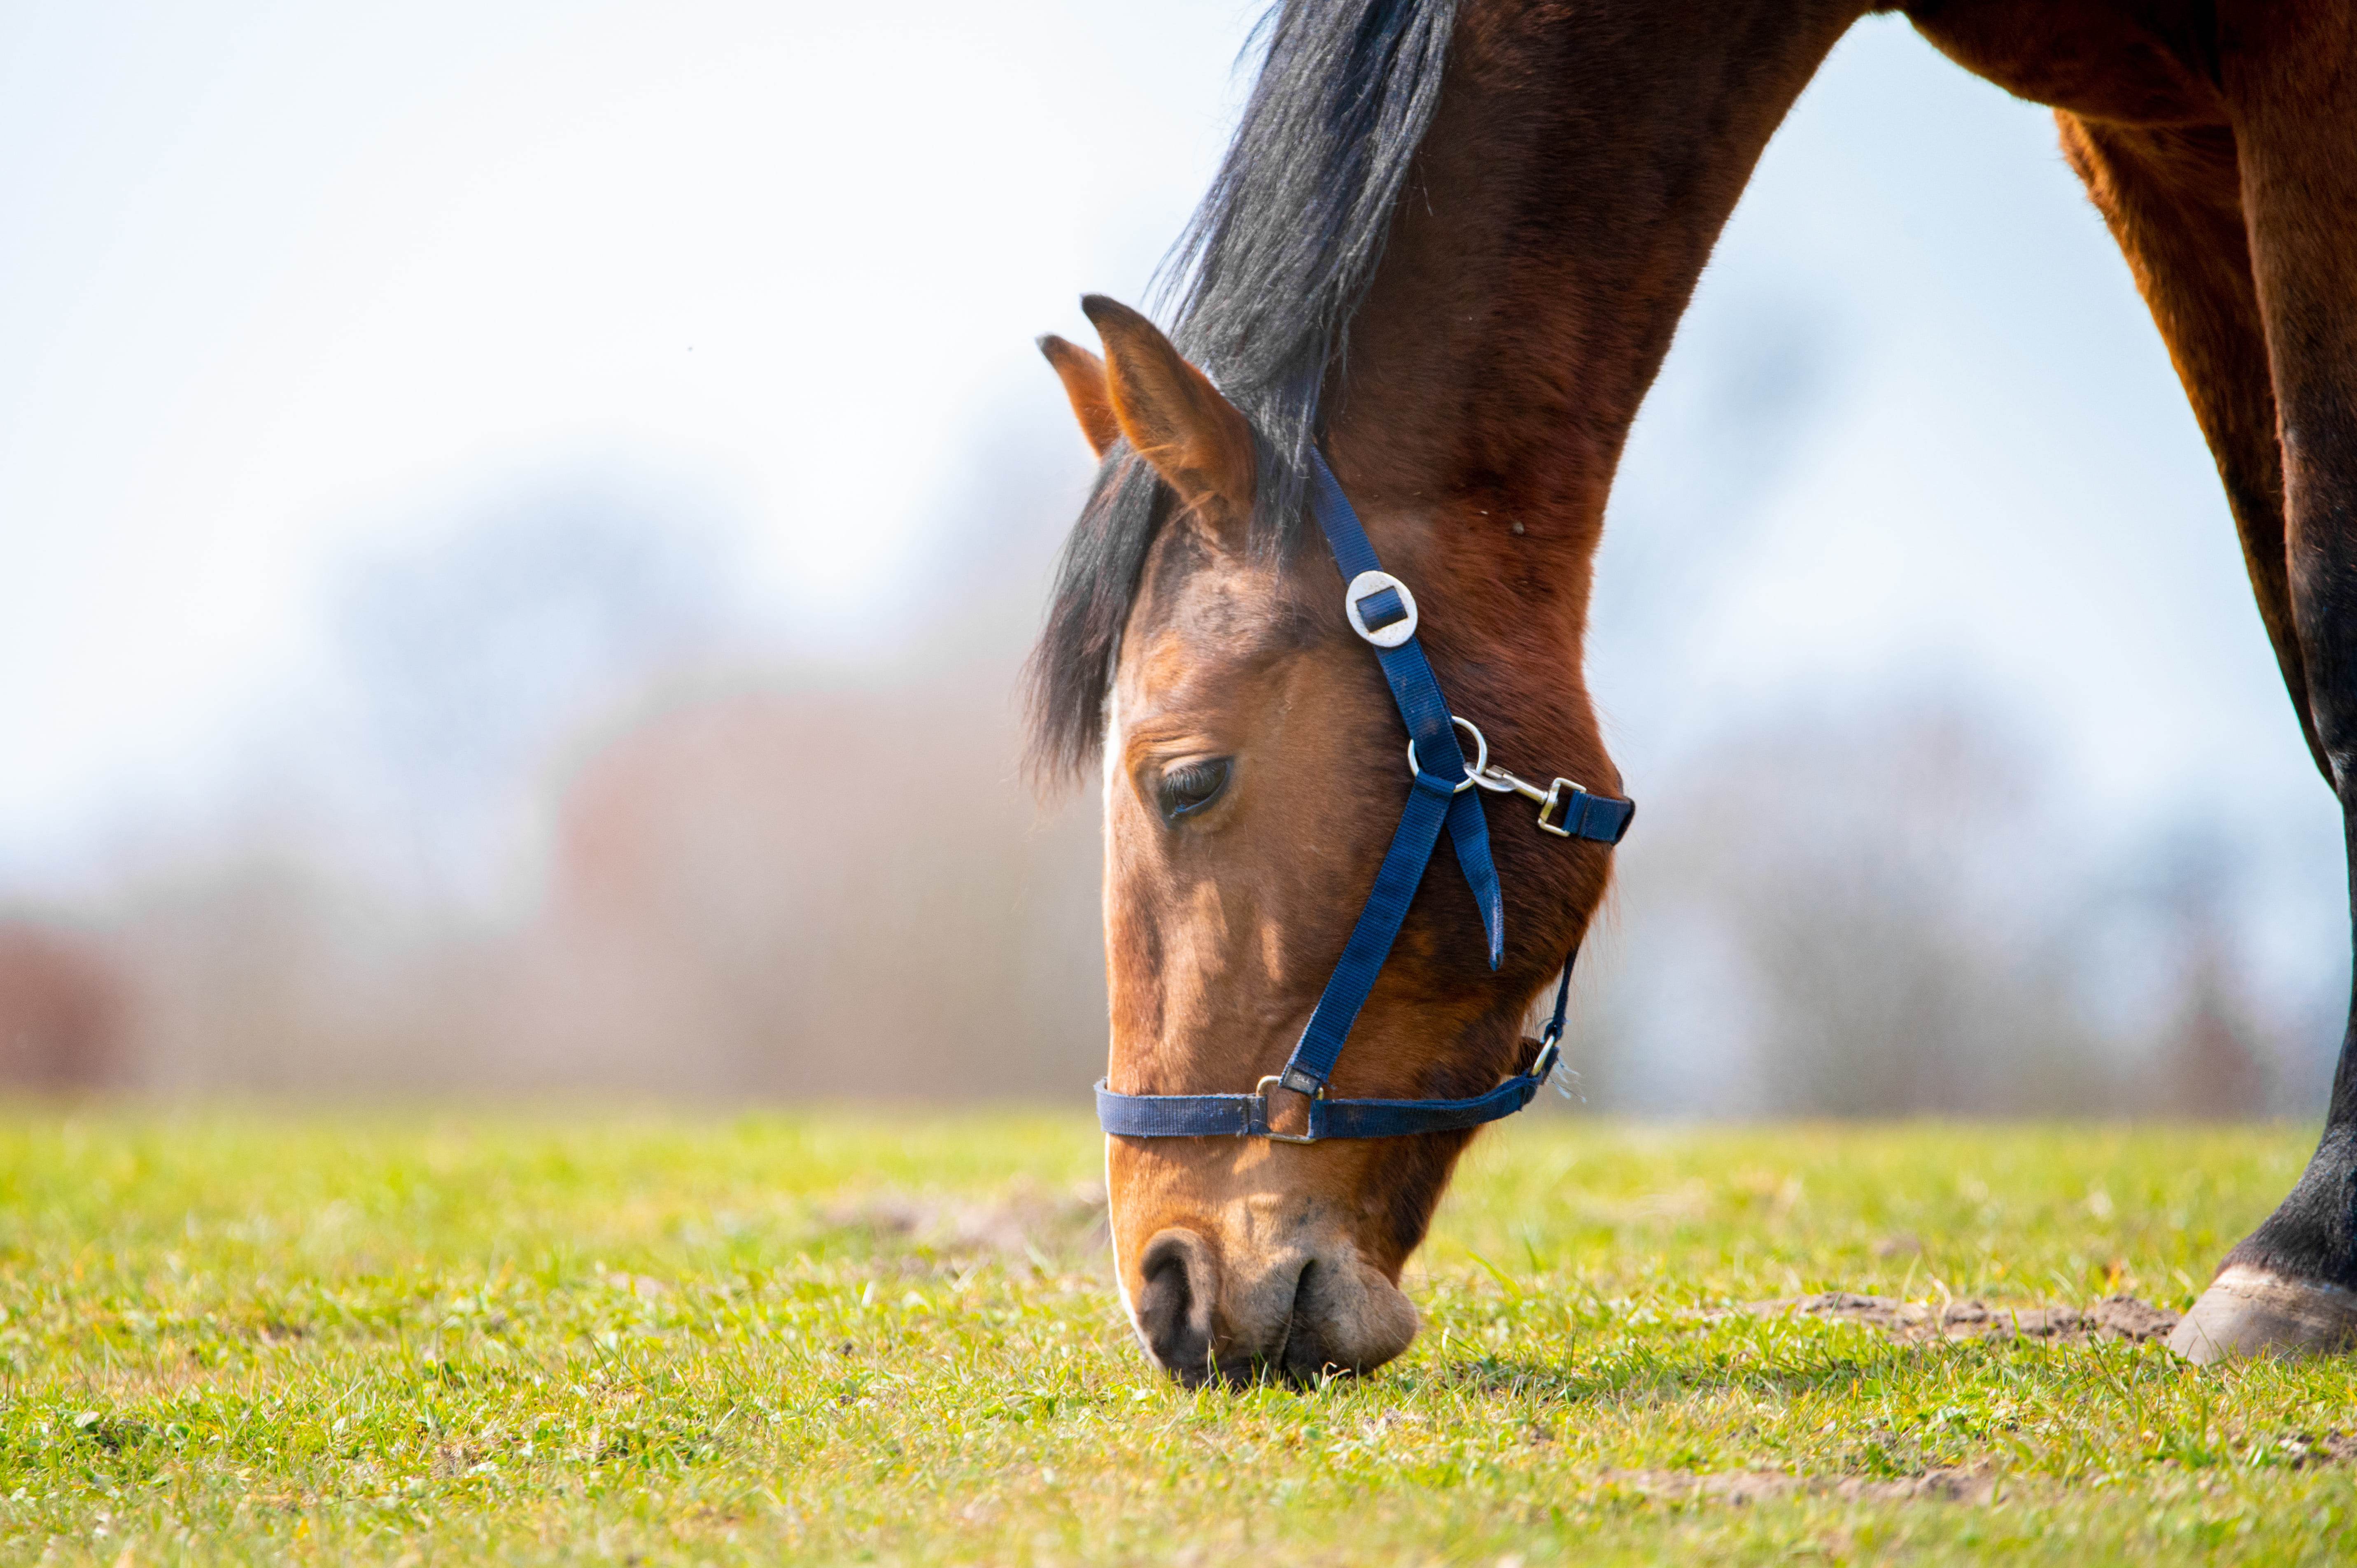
(1366, 584)
(1267, 1129)
(1550, 1053)
(1552, 801)
(1473, 769)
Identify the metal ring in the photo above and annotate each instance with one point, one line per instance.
(1472, 769)
(1367, 584)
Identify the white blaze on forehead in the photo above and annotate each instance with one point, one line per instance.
(1113, 1209)
(1112, 728)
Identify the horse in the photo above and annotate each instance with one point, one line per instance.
(1438, 268)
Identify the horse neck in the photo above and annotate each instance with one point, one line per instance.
(1579, 166)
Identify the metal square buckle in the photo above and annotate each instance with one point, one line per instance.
(1268, 1129)
(1543, 1065)
(1366, 585)
(1554, 803)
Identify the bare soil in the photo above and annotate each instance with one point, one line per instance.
(1940, 1486)
(2115, 1317)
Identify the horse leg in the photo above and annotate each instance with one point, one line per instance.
(2172, 196)
(2290, 1287)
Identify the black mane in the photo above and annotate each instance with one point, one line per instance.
(1264, 285)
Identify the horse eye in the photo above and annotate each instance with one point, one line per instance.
(1192, 787)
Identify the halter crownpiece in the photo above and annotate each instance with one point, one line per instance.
(1383, 612)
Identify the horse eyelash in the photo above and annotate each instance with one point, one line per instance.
(1221, 767)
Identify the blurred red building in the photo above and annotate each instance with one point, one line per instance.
(65, 1010)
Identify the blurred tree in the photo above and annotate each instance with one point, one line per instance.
(1879, 897)
(2211, 1067)
(478, 648)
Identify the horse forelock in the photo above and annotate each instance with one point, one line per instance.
(1263, 284)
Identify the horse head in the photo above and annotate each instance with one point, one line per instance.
(1253, 773)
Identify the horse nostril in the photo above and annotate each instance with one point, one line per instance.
(1305, 1359)
(1174, 1310)
(1344, 1318)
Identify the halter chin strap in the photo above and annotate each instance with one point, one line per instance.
(1383, 611)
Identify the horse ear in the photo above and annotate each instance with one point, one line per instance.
(1083, 375)
(1172, 413)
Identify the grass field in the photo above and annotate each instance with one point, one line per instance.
(857, 1338)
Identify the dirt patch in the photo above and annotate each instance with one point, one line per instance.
(1980, 1482)
(452, 1460)
(2332, 1448)
(1917, 1322)
(1021, 1222)
(1938, 1486)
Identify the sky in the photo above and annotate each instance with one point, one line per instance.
(287, 286)
(283, 281)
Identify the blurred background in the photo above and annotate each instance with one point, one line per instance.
(519, 521)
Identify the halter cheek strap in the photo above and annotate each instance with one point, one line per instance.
(1383, 611)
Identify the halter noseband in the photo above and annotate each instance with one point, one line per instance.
(1384, 613)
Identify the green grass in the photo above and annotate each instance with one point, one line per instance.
(417, 1340)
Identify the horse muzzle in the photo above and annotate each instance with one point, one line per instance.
(1301, 1312)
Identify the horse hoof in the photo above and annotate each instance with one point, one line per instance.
(2250, 1311)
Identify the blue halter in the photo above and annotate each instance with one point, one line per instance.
(1383, 611)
